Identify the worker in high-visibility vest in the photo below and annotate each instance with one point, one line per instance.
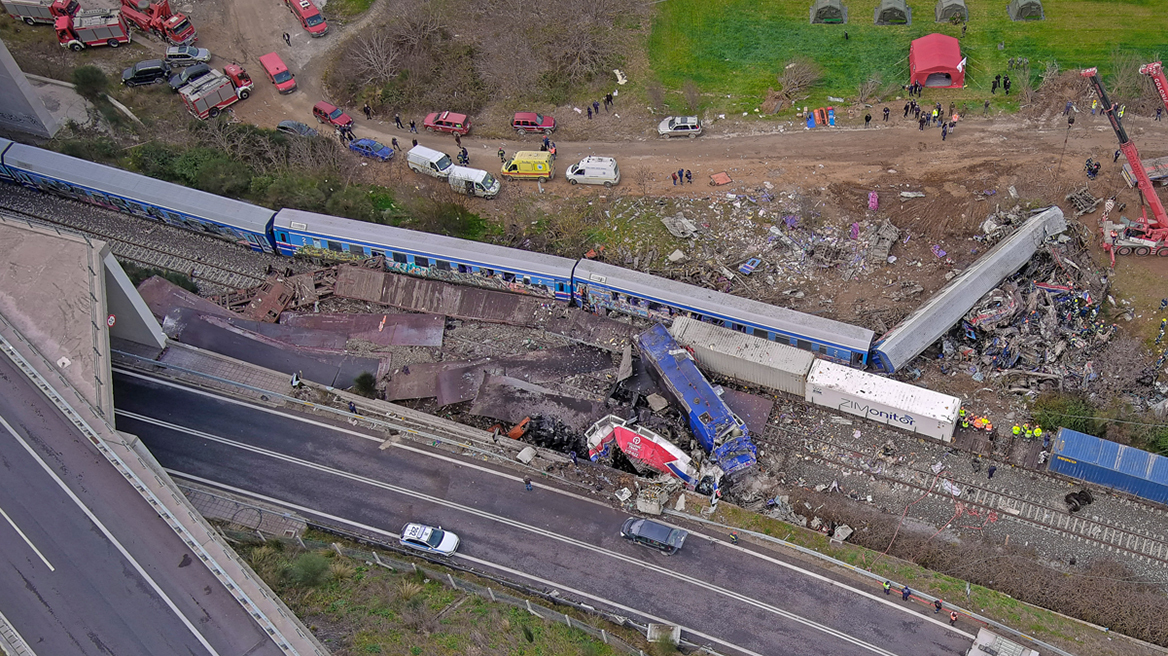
(1029, 432)
(1017, 430)
(965, 422)
(1038, 431)
(961, 413)
(989, 427)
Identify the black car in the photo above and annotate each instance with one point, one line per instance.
(151, 71)
(654, 534)
(296, 128)
(188, 75)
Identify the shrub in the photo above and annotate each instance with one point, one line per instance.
(90, 82)
(309, 570)
(1055, 409)
(366, 385)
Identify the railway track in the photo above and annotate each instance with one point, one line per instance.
(1112, 537)
(225, 278)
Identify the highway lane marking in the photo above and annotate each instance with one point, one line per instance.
(456, 461)
(27, 541)
(347, 431)
(110, 536)
(503, 520)
(373, 529)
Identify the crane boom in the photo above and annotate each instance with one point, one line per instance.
(1157, 228)
(1156, 72)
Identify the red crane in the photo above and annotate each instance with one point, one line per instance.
(1156, 72)
(1153, 233)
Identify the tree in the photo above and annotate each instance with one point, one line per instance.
(375, 56)
(90, 82)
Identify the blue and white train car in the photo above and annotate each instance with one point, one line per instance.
(603, 285)
(122, 191)
(5, 176)
(423, 254)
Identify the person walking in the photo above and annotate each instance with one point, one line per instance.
(415, 143)
(907, 106)
(288, 39)
(888, 587)
(458, 140)
(1159, 112)
(589, 113)
(1116, 158)
(674, 174)
(502, 155)
(688, 176)
(991, 470)
(681, 175)
(944, 131)
(527, 482)
(986, 109)
(368, 111)
(921, 124)
(733, 537)
(397, 121)
(1094, 103)
(546, 141)
(905, 593)
(1067, 108)
(414, 127)
(393, 143)
(1006, 84)
(994, 86)
(596, 107)
(572, 455)
(886, 112)
(867, 119)
(352, 407)
(952, 618)
(937, 606)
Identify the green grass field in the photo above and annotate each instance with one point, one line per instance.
(736, 47)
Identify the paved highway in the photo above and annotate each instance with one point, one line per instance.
(738, 599)
(86, 565)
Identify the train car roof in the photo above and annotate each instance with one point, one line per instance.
(703, 300)
(227, 211)
(423, 243)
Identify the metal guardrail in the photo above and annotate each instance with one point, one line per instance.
(11, 642)
(147, 494)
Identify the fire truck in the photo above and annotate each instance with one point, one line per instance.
(40, 11)
(209, 95)
(1143, 236)
(93, 27)
(158, 19)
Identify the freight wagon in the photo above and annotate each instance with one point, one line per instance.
(743, 358)
(1109, 464)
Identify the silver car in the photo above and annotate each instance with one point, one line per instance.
(177, 56)
(680, 126)
(429, 539)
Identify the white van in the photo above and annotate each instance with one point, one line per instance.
(594, 170)
(473, 182)
(421, 159)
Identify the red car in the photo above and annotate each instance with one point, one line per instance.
(331, 114)
(447, 122)
(532, 123)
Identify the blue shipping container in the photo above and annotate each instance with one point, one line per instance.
(1123, 468)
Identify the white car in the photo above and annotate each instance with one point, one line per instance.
(429, 539)
(179, 56)
(680, 126)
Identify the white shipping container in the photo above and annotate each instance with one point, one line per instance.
(883, 400)
(744, 358)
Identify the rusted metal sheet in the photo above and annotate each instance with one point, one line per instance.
(510, 400)
(552, 364)
(458, 384)
(432, 297)
(380, 329)
(588, 328)
(162, 296)
(271, 299)
(753, 409)
(420, 381)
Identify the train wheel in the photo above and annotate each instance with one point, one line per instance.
(1143, 250)
(1123, 250)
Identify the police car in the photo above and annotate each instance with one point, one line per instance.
(429, 539)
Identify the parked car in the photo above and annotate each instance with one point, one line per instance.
(177, 56)
(151, 71)
(654, 534)
(447, 122)
(371, 148)
(278, 73)
(532, 123)
(297, 129)
(680, 126)
(429, 539)
(188, 75)
(331, 114)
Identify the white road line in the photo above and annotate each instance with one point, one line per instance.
(26, 540)
(503, 520)
(504, 475)
(347, 431)
(113, 540)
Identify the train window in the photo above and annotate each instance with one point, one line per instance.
(336, 246)
(422, 261)
(487, 272)
(857, 359)
(654, 307)
(527, 281)
(377, 253)
(803, 344)
(509, 277)
(442, 265)
(282, 236)
(559, 286)
(356, 249)
(401, 258)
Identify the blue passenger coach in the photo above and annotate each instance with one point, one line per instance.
(122, 191)
(600, 285)
(423, 254)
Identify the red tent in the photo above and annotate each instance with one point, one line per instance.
(935, 61)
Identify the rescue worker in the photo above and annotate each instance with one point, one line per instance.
(1017, 430)
(961, 412)
(888, 587)
(952, 618)
(989, 427)
(1029, 432)
(964, 422)
(1038, 431)
(734, 537)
